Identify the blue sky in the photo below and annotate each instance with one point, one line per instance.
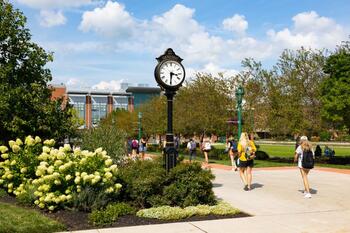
(100, 44)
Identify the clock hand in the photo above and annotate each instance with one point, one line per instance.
(171, 77)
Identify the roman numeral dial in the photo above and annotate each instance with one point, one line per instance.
(171, 73)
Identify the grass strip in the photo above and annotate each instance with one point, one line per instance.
(14, 219)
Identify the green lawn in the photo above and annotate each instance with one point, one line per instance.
(258, 163)
(288, 150)
(15, 219)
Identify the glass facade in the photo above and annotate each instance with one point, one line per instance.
(120, 102)
(99, 108)
(78, 102)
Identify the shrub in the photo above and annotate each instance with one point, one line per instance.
(223, 208)
(143, 180)
(217, 153)
(188, 185)
(147, 184)
(108, 137)
(90, 198)
(27, 197)
(55, 173)
(325, 136)
(110, 214)
(176, 213)
(261, 155)
(3, 193)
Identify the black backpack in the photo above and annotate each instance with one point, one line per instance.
(308, 160)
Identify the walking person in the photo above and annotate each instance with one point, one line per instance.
(206, 147)
(246, 154)
(232, 151)
(192, 147)
(305, 157)
(134, 148)
(143, 147)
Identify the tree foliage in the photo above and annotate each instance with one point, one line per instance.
(122, 120)
(336, 87)
(203, 105)
(286, 98)
(26, 107)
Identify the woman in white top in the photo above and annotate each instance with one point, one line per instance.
(206, 147)
(304, 146)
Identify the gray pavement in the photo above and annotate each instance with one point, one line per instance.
(276, 203)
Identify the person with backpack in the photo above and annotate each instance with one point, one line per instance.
(134, 147)
(231, 146)
(246, 154)
(192, 147)
(305, 157)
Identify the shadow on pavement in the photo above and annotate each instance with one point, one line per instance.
(256, 185)
(215, 185)
(312, 191)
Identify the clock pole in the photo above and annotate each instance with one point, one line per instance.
(170, 152)
(164, 78)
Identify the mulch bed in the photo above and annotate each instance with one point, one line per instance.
(77, 220)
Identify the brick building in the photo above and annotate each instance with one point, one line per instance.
(93, 105)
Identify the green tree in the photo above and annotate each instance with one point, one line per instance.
(286, 98)
(122, 120)
(203, 105)
(26, 107)
(336, 87)
(154, 116)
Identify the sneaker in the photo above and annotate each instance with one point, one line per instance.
(246, 188)
(307, 195)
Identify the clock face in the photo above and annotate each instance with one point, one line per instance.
(171, 73)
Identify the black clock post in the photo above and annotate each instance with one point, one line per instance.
(169, 74)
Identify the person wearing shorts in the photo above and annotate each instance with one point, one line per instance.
(206, 147)
(246, 154)
(305, 145)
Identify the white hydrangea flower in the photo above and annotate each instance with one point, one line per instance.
(3, 149)
(46, 149)
(29, 140)
(67, 148)
(11, 143)
(19, 142)
(16, 148)
(37, 139)
(108, 162)
(24, 170)
(99, 150)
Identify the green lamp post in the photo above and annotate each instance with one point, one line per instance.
(239, 98)
(140, 129)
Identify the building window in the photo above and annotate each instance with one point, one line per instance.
(99, 108)
(78, 102)
(120, 102)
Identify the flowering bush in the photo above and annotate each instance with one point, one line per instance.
(55, 173)
(175, 213)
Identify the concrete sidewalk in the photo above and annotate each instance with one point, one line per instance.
(276, 203)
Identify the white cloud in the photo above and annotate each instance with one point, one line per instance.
(236, 23)
(73, 82)
(110, 20)
(114, 85)
(178, 22)
(49, 18)
(177, 28)
(210, 68)
(54, 4)
(309, 30)
(75, 47)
